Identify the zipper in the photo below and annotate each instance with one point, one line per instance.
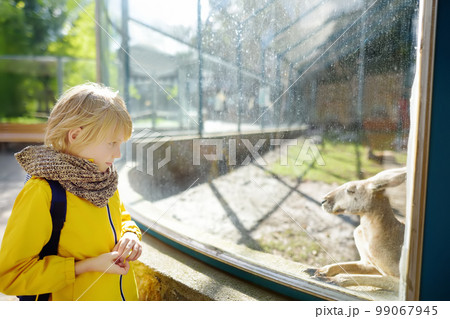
(121, 289)
(115, 242)
(112, 224)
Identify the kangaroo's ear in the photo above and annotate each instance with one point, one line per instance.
(377, 186)
(387, 178)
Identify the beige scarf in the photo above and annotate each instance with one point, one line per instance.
(76, 175)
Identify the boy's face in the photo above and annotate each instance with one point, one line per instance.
(103, 153)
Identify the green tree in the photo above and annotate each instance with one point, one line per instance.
(40, 28)
(78, 43)
(26, 28)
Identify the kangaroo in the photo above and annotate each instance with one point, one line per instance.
(378, 238)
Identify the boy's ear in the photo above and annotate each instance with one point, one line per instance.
(73, 133)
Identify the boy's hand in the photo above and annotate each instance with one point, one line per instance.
(129, 247)
(106, 263)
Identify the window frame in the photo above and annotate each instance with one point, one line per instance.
(424, 73)
(434, 246)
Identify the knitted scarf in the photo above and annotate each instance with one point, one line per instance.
(76, 175)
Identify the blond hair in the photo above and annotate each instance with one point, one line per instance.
(95, 108)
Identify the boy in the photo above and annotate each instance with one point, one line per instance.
(84, 133)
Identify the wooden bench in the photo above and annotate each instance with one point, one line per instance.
(22, 133)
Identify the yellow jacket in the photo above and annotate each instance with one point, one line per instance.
(89, 231)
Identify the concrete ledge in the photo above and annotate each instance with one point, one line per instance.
(164, 273)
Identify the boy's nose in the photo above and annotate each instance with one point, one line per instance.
(117, 153)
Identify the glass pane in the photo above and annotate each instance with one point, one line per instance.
(248, 124)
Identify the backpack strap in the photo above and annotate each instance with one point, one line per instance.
(58, 210)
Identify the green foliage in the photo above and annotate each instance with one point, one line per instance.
(79, 39)
(28, 27)
(173, 91)
(134, 93)
(79, 44)
(41, 28)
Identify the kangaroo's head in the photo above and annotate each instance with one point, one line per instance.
(361, 197)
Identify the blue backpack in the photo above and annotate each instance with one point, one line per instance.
(58, 209)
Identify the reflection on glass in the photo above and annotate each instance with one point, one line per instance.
(248, 113)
